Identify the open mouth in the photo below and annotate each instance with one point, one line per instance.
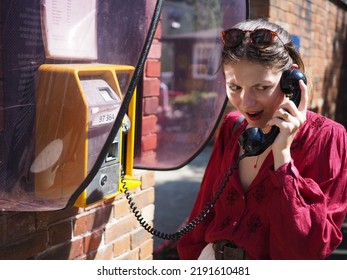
(255, 116)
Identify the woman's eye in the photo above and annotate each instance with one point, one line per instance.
(234, 87)
(261, 88)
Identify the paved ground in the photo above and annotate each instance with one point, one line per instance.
(175, 193)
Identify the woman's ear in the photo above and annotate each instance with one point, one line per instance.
(295, 66)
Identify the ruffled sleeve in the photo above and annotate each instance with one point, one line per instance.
(309, 207)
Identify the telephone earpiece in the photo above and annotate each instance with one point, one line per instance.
(290, 84)
(253, 140)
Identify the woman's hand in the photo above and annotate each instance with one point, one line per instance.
(288, 118)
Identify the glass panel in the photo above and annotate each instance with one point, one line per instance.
(192, 89)
(66, 65)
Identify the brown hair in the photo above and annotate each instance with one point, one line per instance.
(281, 54)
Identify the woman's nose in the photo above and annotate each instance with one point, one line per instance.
(248, 100)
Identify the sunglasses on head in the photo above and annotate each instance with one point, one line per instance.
(259, 38)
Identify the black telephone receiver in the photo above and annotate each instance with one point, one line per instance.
(253, 140)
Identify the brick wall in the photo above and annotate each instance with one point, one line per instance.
(105, 231)
(150, 98)
(322, 28)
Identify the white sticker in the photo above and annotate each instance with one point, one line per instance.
(103, 118)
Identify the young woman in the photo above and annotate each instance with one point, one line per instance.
(290, 201)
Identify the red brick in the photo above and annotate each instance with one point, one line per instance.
(153, 68)
(149, 124)
(25, 249)
(151, 105)
(132, 255)
(139, 237)
(151, 87)
(98, 218)
(20, 225)
(67, 251)
(121, 245)
(93, 241)
(148, 156)
(155, 50)
(83, 224)
(147, 180)
(104, 253)
(119, 228)
(60, 233)
(144, 198)
(76, 248)
(121, 208)
(44, 219)
(149, 142)
(102, 215)
(146, 250)
(158, 32)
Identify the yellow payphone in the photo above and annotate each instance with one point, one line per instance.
(75, 109)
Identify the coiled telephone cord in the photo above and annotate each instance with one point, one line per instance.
(194, 222)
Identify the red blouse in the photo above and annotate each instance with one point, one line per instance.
(295, 212)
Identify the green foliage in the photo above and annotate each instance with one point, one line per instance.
(206, 13)
(194, 97)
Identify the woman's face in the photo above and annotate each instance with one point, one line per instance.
(254, 90)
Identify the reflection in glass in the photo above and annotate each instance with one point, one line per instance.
(192, 90)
